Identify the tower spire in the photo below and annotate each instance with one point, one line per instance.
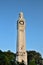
(21, 17)
(21, 14)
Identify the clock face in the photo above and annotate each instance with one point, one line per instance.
(21, 22)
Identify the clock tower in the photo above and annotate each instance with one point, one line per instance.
(21, 54)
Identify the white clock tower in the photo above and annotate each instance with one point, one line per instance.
(21, 54)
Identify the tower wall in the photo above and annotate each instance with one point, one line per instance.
(21, 54)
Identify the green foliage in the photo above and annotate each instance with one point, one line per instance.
(8, 58)
(32, 62)
(34, 55)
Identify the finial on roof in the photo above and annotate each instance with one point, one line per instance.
(21, 14)
(21, 17)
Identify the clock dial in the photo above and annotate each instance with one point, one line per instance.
(21, 22)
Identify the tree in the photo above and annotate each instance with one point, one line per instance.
(9, 58)
(6, 57)
(32, 62)
(34, 55)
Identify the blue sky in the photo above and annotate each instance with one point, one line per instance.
(33, 13)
